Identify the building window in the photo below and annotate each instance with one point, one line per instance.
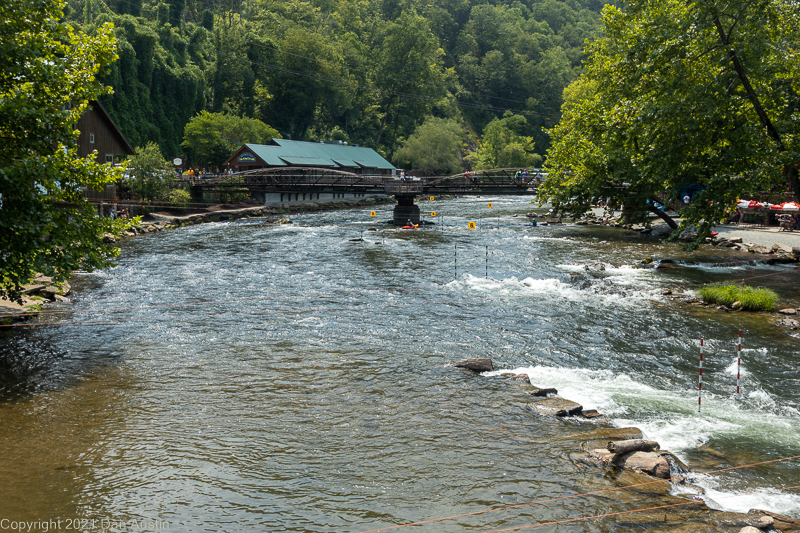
(91, 138)
(110, 158)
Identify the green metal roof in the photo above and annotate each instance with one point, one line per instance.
(281, 151)
(308, 161)
(345, 163)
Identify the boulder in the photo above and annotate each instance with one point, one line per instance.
(781, 248)
(591, 413)
(750, 529)
(49, 292)
(480, 364)
(523, 378)
(31, 289)
(789, 311)
(788, 322)
(557, 407)
(648, 462)
(735, 240)
(761, 249)
(543, 392)
(762, 521)
(606, 434)
(61, 299)
(109, 238)
(632, 445)
(780, 522)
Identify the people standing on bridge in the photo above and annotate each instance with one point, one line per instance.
(525, 176)
(518, 175)
(466, 175)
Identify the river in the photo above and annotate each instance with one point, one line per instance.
(247, 377)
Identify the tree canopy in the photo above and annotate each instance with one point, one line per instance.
(48, 74)
(504, 145)
(147, 171)
(435, 147)
(681, 93)
(364, 72)
(211, 138)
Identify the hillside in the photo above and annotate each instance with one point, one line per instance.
(367, 72)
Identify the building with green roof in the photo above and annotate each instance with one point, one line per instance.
(284, 153)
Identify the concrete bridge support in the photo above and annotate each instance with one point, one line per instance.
(405, 210)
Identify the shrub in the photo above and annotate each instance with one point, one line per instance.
(178, 197)
(750, 298)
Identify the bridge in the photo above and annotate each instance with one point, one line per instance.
(316, 183)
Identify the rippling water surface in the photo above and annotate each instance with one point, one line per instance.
(240, 377)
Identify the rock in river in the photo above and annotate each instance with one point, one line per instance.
(480, 364)
(557, 407)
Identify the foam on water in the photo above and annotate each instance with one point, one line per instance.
(671, 418)
(619, 275)
(777, 501)
(736, 266)
(552, 288)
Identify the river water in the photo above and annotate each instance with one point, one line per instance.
(244, 377)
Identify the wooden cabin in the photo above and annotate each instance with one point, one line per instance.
(98, 132)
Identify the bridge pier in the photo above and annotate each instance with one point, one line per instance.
(405, 210)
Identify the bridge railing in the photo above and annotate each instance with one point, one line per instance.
(403, 187)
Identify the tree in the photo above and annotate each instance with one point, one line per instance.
(148, 176)
(435, 147)
(685, 93)
(502, 146)
(409, 73)
(211, 138)
(48, 73)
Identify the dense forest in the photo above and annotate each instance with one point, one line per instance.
(368, 72)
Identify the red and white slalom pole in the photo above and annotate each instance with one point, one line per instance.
(738, 363)
(700, 387)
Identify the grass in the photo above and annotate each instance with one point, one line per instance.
(749, 298)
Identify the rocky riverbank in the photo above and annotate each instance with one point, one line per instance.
(639, 465)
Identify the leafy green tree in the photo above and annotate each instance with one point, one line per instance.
(502, 145)
(409, 72)
(211, 138)
(208, 20)
(306, 84)
(148, 175)
(435, 147)
(48, 72)
(685, 93)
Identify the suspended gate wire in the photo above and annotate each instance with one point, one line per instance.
(676, 478)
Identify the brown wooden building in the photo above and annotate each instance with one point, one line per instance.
(98, 132)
